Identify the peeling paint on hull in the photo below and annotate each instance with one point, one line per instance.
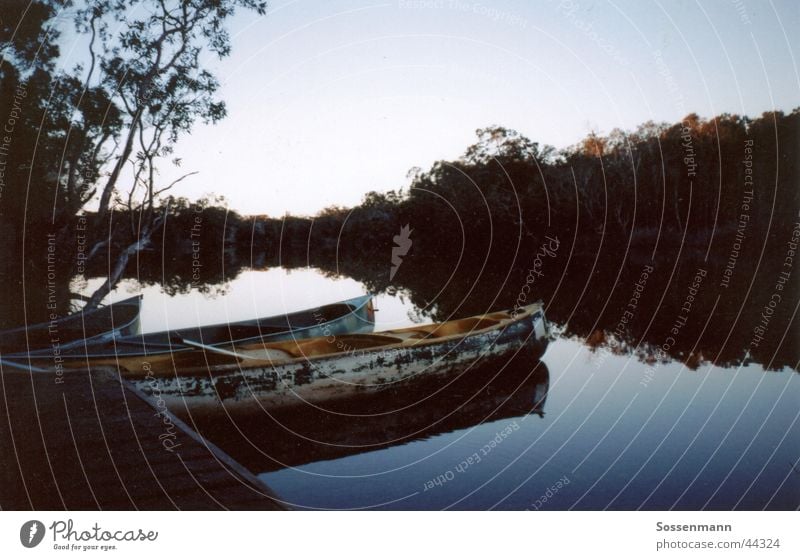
(343, 375)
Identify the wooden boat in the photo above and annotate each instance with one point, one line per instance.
(352, 315)
(276, 374)
(71, 331)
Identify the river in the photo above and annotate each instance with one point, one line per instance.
(593, 425)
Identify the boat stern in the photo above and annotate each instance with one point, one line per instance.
(541, 335)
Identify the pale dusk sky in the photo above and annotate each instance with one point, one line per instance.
(329, 100)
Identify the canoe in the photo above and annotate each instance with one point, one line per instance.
(352, 315)
(72, 331)
(316, 370)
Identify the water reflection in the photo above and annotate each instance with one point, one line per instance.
(698, 424)
(416, 410)
(716, 439)
(667, 308)
(671, 307)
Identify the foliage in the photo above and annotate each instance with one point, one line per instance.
(76, 131)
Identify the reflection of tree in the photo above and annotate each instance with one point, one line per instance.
(196, 249)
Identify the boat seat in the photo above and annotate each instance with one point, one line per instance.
(262, 353)
(352, 343)
(460, 326)
(410, 335)
(498, 316)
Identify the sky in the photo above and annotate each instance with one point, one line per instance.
(328, 100)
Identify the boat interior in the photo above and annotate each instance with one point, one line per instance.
(281, 351)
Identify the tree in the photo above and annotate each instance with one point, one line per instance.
(152, 78)
(100, 131)
(503, 143)
(28, 50)
(63, 120)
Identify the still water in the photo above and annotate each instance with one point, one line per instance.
(585, 428)
(715, 438)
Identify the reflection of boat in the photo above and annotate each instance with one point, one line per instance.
(414, 410)
(71, 331)
(328, 368)
(352, 315)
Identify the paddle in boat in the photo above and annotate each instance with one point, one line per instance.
(275, 374)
